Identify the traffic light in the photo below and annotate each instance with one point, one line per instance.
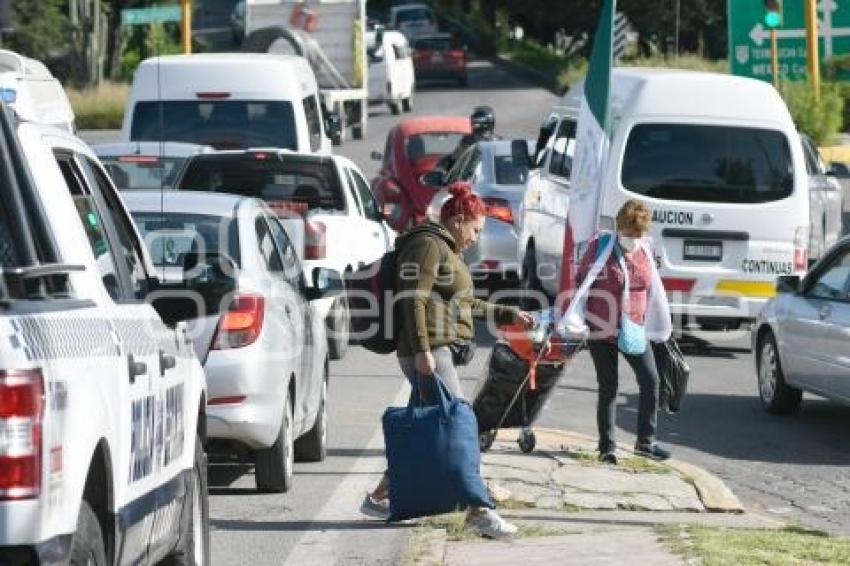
(772, 14)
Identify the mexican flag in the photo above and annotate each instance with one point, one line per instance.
(593, 140)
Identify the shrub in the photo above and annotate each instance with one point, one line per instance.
(99, 108)
(821, 120)
(683, 61)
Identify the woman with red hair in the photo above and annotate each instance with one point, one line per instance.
(437, 304)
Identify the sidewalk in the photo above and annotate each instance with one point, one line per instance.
(573, 510)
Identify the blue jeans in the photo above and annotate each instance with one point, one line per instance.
(605, 356)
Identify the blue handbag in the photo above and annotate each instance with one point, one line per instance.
(433, 455)
(631, 339)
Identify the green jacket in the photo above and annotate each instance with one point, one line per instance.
(435, 295)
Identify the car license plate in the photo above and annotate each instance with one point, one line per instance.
(703, 250)
(436, 58)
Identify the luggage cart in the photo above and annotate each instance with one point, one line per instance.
(521, 376)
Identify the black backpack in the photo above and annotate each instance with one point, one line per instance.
(369, 291)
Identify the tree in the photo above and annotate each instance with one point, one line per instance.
(42, 31)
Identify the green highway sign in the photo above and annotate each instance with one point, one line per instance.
(154, 14)
(749, 38)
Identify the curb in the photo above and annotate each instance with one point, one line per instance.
(528, 73)
(713, 492)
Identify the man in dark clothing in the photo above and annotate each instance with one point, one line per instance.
(483, 122)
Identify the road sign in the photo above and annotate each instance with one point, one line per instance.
(154, 14)
(749, 39)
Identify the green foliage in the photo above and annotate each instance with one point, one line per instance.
(688, 61)
(41, 31)
(821, 120)
(148, 41)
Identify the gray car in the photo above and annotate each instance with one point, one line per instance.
(801, 338)
(498, 171)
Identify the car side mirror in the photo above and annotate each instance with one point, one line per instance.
(377, 156)
(333, 127)
(788, 284)
(326, 283)
(435, 178)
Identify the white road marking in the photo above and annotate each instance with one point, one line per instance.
(318, 545)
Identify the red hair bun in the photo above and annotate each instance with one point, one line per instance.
(463, 203)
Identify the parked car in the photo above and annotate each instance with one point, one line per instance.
(146, 165)
(267, 366)
(841, 171)
(391, 74)
(498, 171)
(413, 148)
(324, 202)
(413, 20)
(102, 427)
(439, 56)
(825, 202)
(800, 337)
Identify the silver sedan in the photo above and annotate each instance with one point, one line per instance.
(801, 340)
(263, 348)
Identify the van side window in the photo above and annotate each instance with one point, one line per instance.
(401, 51)
(561, 162)
(92, 222)
(128, 252)
(370, 206)
(314, 122)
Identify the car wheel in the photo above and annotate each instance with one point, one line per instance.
(407, 104)
(776, 395)
(87, 548)
(531, 290)
(313, 446)
(395, 107)
(339, 325)
(274, 465)
(194, 547)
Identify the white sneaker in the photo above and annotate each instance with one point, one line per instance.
(374, 508)
(489, 524)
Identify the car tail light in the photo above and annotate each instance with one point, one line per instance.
(232, 400)
(315, 240)
(212, 95)
(801, 249)
(241, 325)
(150, 159)
(499, 208)
(21, 415)
(678, 284)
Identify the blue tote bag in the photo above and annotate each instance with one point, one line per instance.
(432, 455)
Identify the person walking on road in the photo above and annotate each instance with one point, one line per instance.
(437, 305)
(620, 305)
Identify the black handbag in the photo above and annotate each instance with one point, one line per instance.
(673, 374)
(462, 352)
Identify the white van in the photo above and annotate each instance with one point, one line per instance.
(391, 75)
(228, 101)
(719, 161)
(35, 94)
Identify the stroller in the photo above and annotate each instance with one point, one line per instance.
(522, 373)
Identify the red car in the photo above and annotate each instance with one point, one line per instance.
(413, 148)
(439, 56)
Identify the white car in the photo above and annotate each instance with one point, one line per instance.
(326, 206)
(267, 368)
(146, 165)
(103, 422)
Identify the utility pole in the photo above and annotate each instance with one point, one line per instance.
(812, 46)
(774, 57)
(186, 25)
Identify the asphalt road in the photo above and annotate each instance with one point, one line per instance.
(793, 466)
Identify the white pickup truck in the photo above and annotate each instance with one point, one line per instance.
(102, 422)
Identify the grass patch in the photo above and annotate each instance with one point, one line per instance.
(417, 550)
(714, 546)
(99, 108)
(636, 464)
(456, 531)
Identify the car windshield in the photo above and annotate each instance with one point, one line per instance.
(434, 44)
(413, 15)
(223, 124)
(275, 179)
(431, 143)
(508, 171)
(170, 235)
(708, 163)
(143, 171)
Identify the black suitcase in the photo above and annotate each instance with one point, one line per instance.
(505, 400)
